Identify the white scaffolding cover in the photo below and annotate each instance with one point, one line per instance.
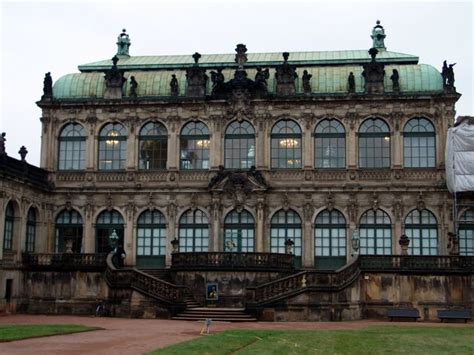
(460, 157)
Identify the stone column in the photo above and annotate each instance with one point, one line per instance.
(215, 223)
(260, 226)
(307, 244)
(173, 151)
(260, 146)
(397, 149)
(88, 233)
(91, 149)
(128, 243)
(132, 143)
(396, 232)
(216, 148)
(352, 147)
(308, 151)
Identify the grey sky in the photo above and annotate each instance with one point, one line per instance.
(38, 37)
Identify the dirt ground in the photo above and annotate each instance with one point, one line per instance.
(137, 336)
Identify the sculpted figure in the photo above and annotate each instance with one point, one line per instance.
(306, 82)
(351, 83)
(174, 85)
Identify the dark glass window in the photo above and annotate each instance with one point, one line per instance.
(107, 222)
(285, 225)
(419, 144)
(8, 229)
(151, 234)
(374, 144)
(239, 145)
(239, 232)
(153, 142)
(193, 232)
(375, 230)
(195, 143)
(72, 147)
(68, 225)
(112, 147)
(422, 230)
(466, 233)
(330, 145)
(286, 145)
(330, 234)
(30, 231)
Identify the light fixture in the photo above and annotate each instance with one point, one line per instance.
(113, 238)
(112, 141)
(386, 139)
(288, 143)
(204, 143)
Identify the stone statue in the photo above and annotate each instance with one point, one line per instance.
(450, 76)
(174, 85)
(306, 82)
(285, 76)
(444, 73)
(47, 85)
(221, 175)
(395, 80)
(123, 43)
(351, 85)
(196, 78)
(114, 81)
(133, 87)
(241, 56)
(373, 74)
(2, 144)
(196, 56)
(262, 76)
(23, 152)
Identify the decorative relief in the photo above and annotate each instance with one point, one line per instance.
(329, 175)
(352, 207)
(374, 175)
(109, 202)
(171, 209)
(151, 177)
(285, 203)
(70, 177)
(420, 205)
(375, 202)
(151, 203)
(111, 177)
(397, 208)
(130, 209)
(420, 174)
(329, 201)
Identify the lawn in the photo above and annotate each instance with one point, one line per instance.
(18, 332)
(372, 340)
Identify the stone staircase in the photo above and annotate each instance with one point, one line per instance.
(162, 274)
(216, 314)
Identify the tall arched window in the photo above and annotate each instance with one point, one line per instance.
(286, 145)
(153, 143)
(239, 145)
(195, 143)
(193, 232)
(374, 144)
(112, 147)
(8, 229)
(106, 223)
(68, 225)
(330, 145)
(30, 231)
(286, 225)
(375, 230)
(239, 232)
(419, 146)
(151, 239)
(329, 240)
(72, 147)
(466, 233)
(422, 230)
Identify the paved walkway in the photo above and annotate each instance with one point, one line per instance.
(137, 336)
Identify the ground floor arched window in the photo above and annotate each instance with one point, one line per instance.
(329, 240)
(421, 229)
(286, 225)
(239, 232)
(68, 229)
(151, 239)
(193, 232)
(466, 233)
(375, 230)
(108, 222)
(30, 231)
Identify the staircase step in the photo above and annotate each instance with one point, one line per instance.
(223, 319)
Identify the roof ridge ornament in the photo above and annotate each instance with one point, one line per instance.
(123, 43)
(378, 36)
(241, 56)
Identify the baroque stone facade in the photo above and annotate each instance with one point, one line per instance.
(276, 147)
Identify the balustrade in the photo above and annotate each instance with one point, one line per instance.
(64, 261)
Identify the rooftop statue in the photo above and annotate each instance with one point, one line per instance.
(133, 86)
(448, 76)
(174, 85)
(123, 43)
(2, 144)
(351, 86)
(306, 82)
(47, 86)
(373, 74)
(241, 56)
(395, 80)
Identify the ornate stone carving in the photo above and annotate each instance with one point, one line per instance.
(114, 81)
(196, 78)
(109, 202)
(217, 79)
(352, 207)
(239, 105)
(171, 209)
(375, 202)
(193, 202)
(151, 203)
(373, 74)
(285, 203)
(378, 35)
(130, 209)
(420, 205)
(285, 77)
(261, 78)
(308, 210)
(329, 201)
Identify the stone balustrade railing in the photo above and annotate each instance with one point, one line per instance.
(418, 264)
(63, 261)
(233, 261)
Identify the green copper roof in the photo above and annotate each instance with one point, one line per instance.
(254, 59)
(417, 78)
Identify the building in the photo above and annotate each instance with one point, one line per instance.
(239, 170)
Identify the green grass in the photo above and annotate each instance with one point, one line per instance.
(18, 332)
(372, 340)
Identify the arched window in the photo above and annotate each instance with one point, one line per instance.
(375, 230)
(329, 240)
(30, 231)
(466, 233)
(106, 223)
(330, 145)
(374, 144)
(195, 143)
(286, 225)
(193, 232)
(286, 145)
(239, 232)
(422, 230)
(8, 229)
(153, 142)
(419, 147)
(239, 145)
(151, 239)
(72, 147)
(68, 226)
(112, 147)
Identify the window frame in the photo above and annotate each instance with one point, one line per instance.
(366, 161)
(277, 137)
(199, 231)
(236, 229)
(319, 144)
(160, 139)
(64, 142)
(409, 137)
(421, 228)
(187, 137)
(121, 151)
(239, 138)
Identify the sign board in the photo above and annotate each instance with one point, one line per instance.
(212, 292)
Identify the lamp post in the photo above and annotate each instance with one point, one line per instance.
(113, 238)
(355, 241)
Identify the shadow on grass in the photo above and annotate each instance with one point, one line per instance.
(20, 332)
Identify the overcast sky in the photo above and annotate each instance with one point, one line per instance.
(37, 37)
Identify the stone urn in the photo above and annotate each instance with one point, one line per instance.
(404, 243)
